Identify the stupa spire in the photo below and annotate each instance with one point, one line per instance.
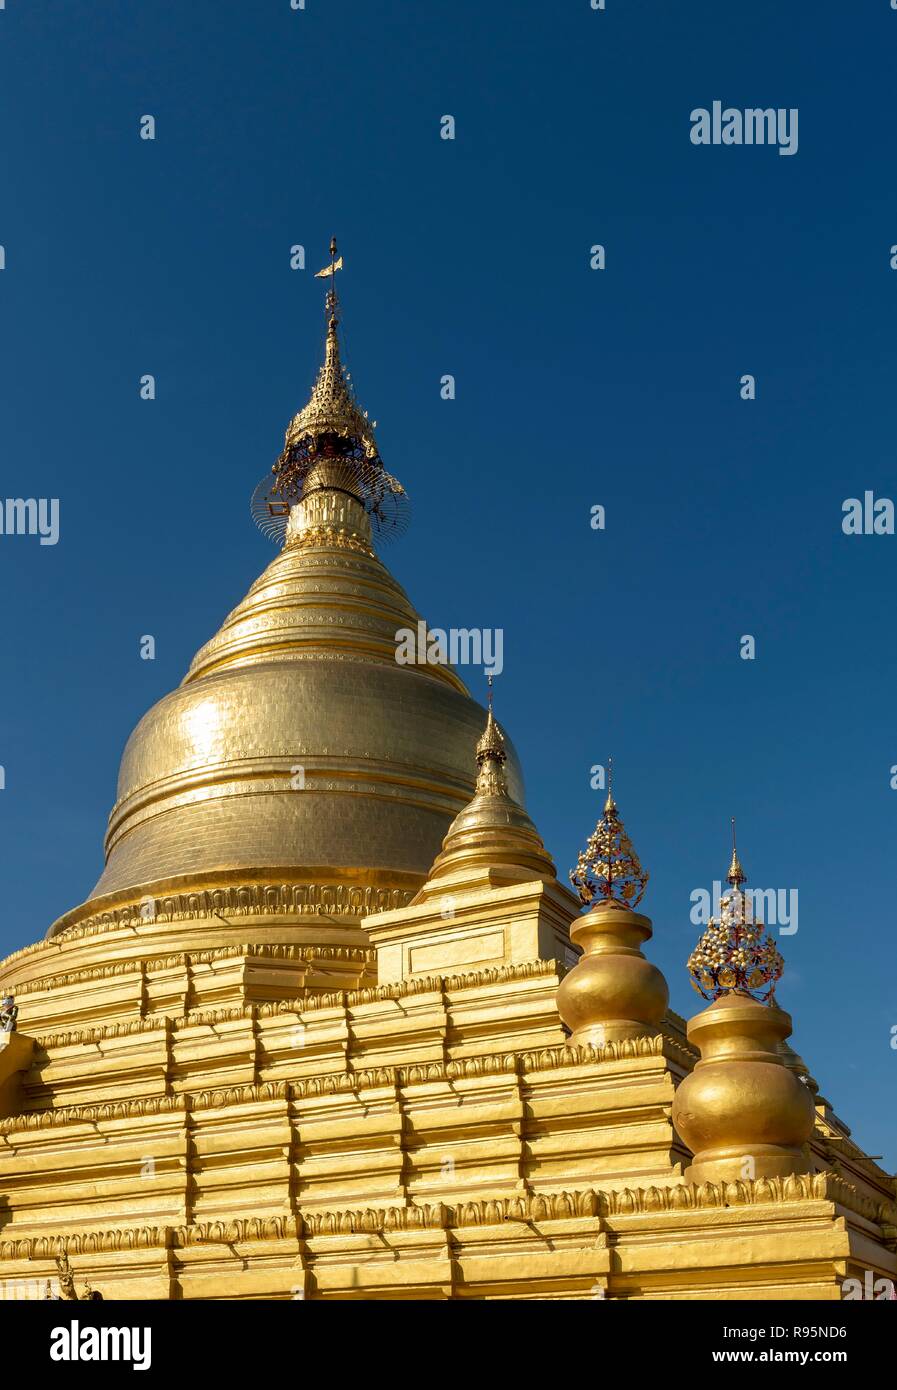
(610, 804)
(491, 756)
(330, 462)
(492, 841)
(331, 425)
(736, 875)
(329, 271)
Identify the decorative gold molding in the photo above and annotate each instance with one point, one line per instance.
(249, 900)
(494, 1064)
(185, 1103)
(237, 900)
(328, 536)
(337, 999)
(307, 955)
(125, 1029)
(94, 1114)
(550, 1206)
(243, 1229)
(581, 1204)
(87, 1243)
(428, 984)
(337, 1083)
(249, 1094)
(803, 1187)
(129, 918)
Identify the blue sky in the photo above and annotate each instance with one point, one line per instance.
(574, 388)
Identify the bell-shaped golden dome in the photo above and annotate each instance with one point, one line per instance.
(298, 748)
(492, 842)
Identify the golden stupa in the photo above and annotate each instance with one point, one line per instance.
(301, 682)
(330, 1027)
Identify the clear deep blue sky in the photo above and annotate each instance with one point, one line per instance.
(574, 387)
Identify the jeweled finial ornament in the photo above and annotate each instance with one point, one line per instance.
(736, 954)
(608, 868)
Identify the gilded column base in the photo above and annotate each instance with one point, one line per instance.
(742, 1112)
(613, 992)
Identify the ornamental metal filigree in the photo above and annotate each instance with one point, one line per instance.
(608, 868)
(736, 954)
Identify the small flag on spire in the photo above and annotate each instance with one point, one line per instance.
(329, 269)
